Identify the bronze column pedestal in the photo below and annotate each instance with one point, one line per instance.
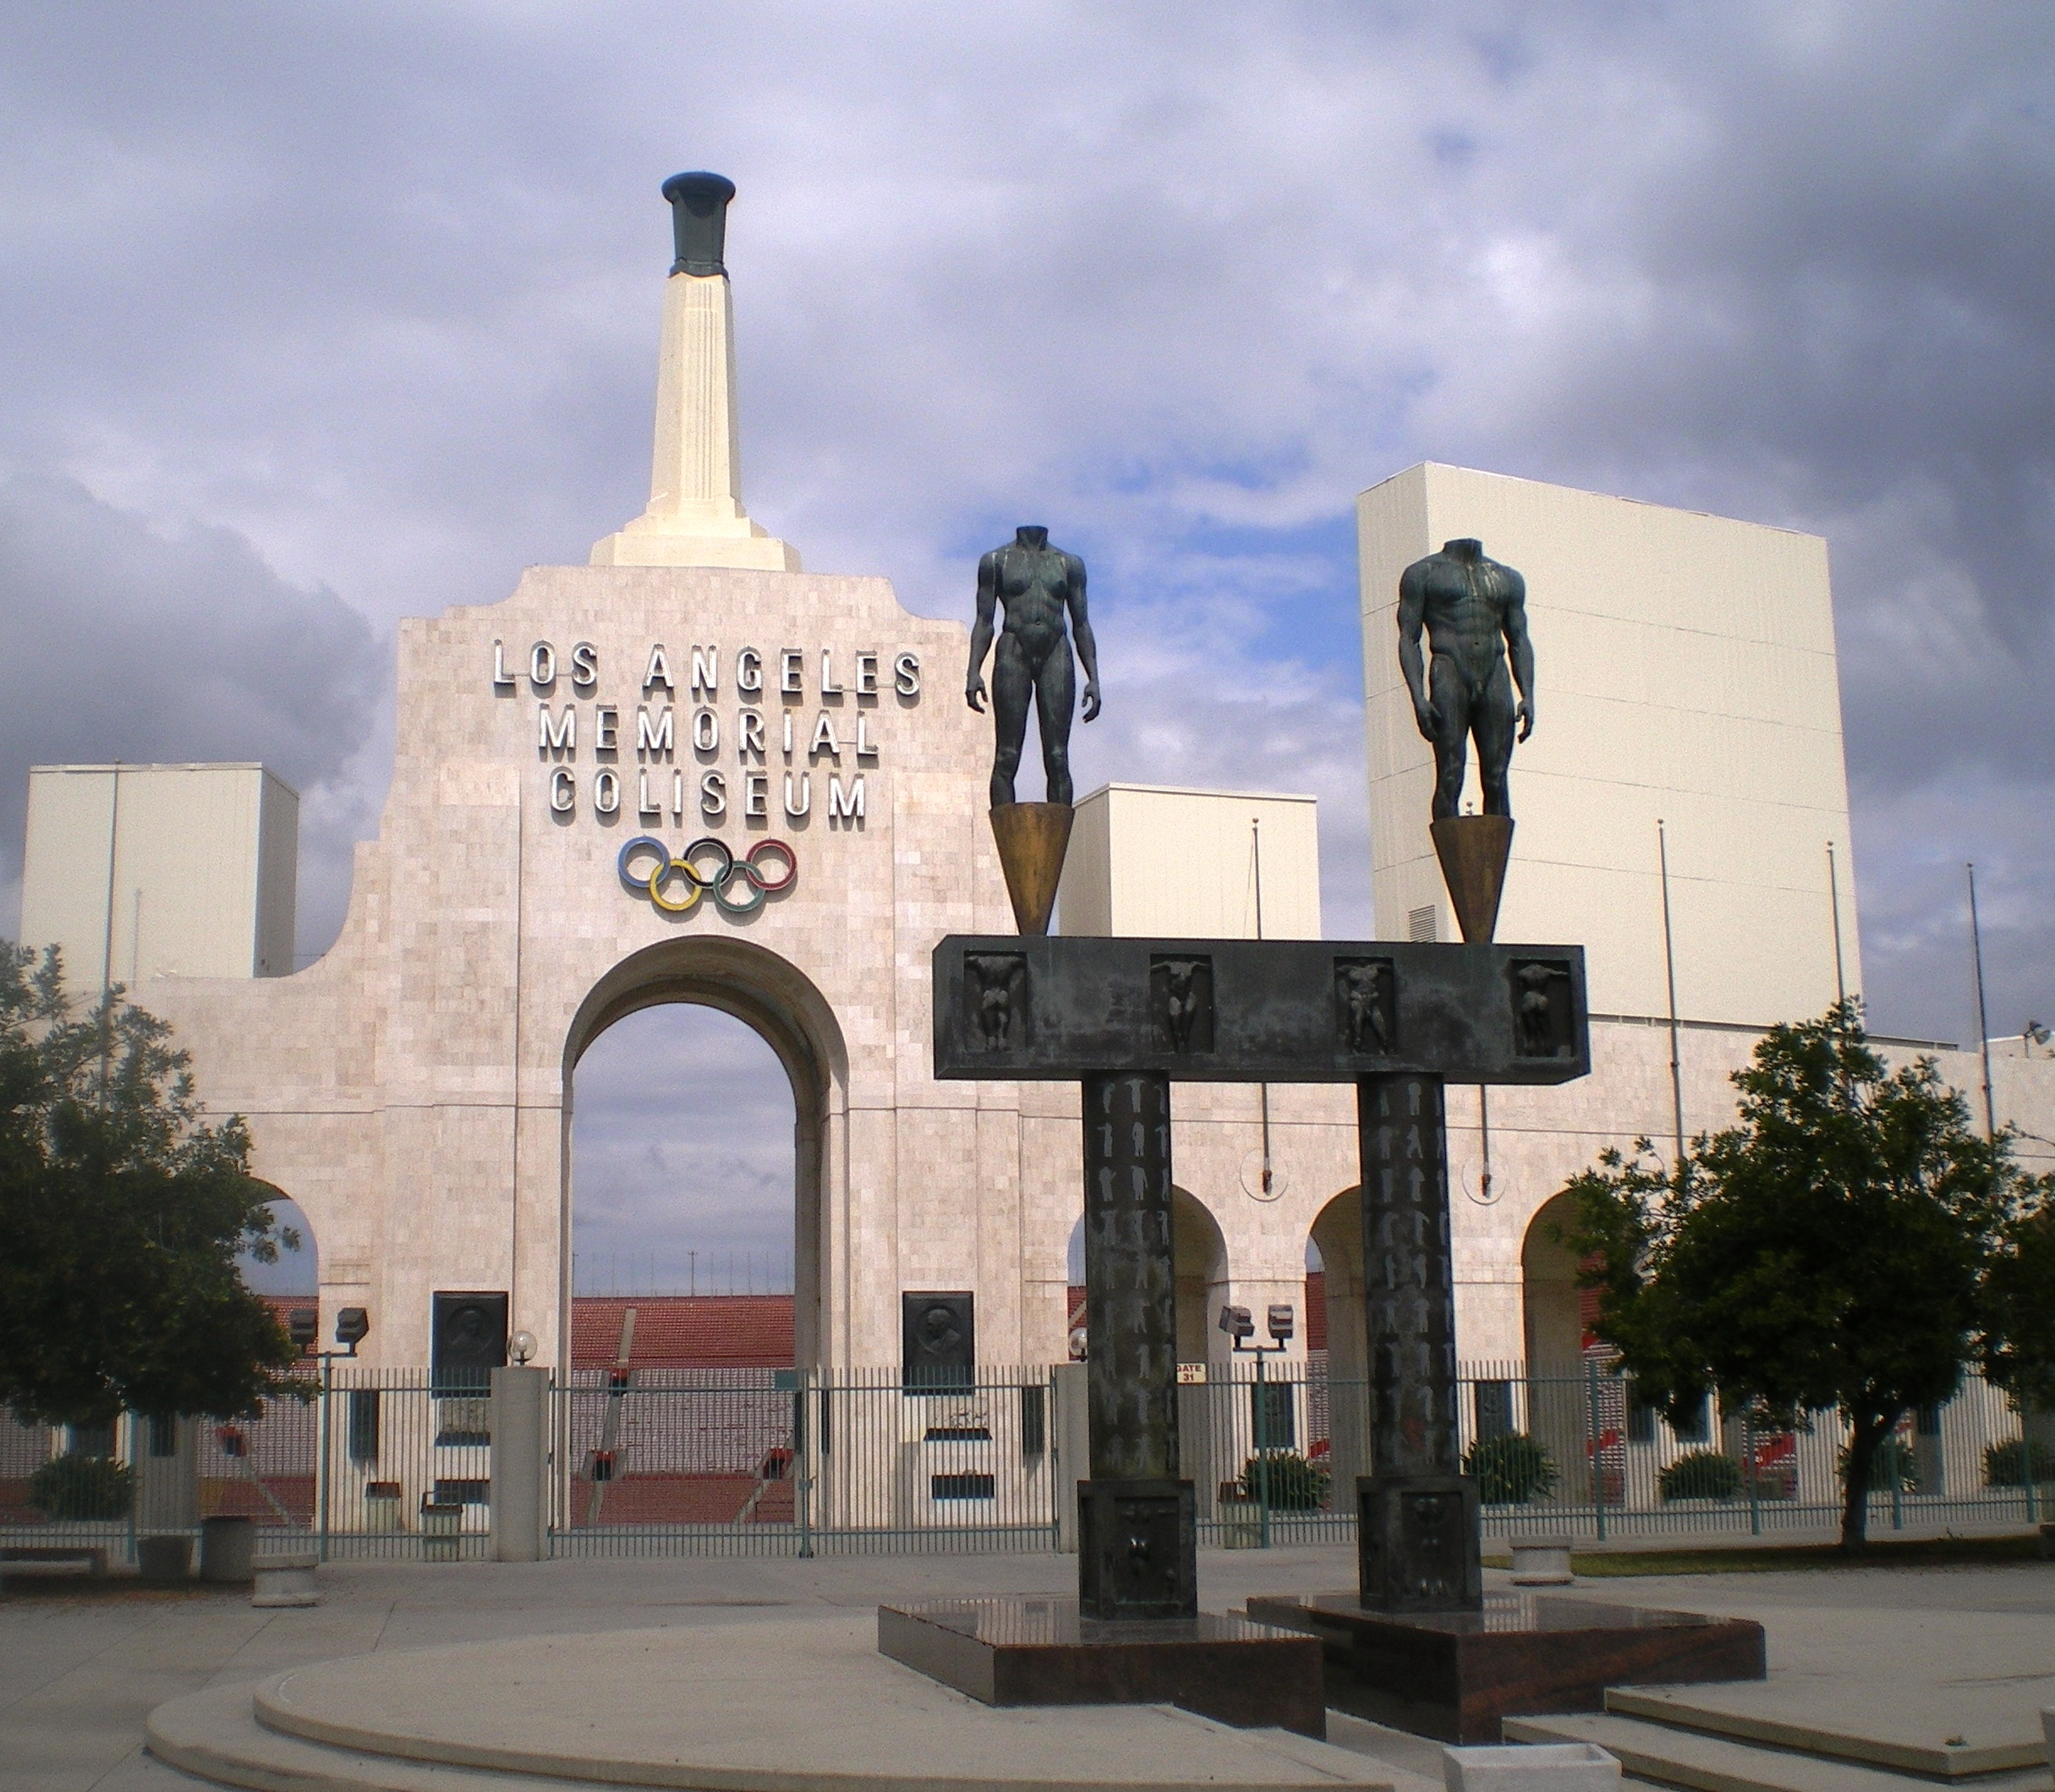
(1416, 1535)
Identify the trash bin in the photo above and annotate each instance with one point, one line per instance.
(227, 1546)
(163, 1560)
(381, 1507)
(441, 1532)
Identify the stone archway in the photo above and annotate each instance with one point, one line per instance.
(1554, 1403)
(1551, 1315)
(1205, 1423)
(1199, 1254)
(1337, 1232)
(781, 1005)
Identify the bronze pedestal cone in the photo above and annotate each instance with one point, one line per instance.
(1473, 850)
(1033, 838)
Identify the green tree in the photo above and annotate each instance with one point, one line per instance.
(1846, 1245)
(121, 1212)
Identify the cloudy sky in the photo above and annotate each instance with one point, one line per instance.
(314, 317)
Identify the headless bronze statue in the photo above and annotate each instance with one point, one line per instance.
(1474, 612)
(1043, 591)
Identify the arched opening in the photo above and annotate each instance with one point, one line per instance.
(1555, 1414)
(681, 1161)
(1199, 1256)
(1198, 1260)
(712, 1072)
(296, 1269)
(1337, 1236)
(743, 1055)
(1551, 1309)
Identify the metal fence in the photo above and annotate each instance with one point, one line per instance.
(789, 1463)
(1568, 1447)
(349, 1467)
(382, 1462)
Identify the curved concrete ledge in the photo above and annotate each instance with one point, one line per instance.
(787, 1706)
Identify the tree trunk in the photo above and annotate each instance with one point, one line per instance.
(1870, 1429)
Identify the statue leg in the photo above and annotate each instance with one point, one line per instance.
(1452, 745)
(1012, 685)
(1055, 698)
(1491, 717)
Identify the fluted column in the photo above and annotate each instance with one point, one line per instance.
(695, 517)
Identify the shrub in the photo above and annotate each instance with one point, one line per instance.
(1510, 1469)
(76, 1486)
(1893, 1465)
(1295, 1485)
(2006, 1465)
(1701, 1474)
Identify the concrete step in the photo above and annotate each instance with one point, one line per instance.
(1701, 1761)
(781, 1705)
(1904, 1729)
(215, 1736)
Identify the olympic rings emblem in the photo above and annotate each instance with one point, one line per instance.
(691, 868)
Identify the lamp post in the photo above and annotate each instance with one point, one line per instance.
(1240, 1326)
(353, 1327)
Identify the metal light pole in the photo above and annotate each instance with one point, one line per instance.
(1235, 1322)
(353, 1327)
(1983, 1026)
(1833, 901)
(1669, 966)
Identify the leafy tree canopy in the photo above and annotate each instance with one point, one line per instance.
(1852, 1243)
(122, 1212)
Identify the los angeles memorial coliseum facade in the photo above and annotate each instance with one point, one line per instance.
(413, 1091)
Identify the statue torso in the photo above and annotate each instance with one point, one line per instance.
(1034, 587)
(1464, 603)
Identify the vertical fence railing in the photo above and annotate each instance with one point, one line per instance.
(785, 1462)
(393, 1444)
(782, 1462)
(350, 1466)
(1570, 1447)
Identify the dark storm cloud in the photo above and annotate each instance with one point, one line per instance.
(126, 644)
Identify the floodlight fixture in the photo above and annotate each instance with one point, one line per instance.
(1235, 1322)
(1279, 1318)
(353, 1327)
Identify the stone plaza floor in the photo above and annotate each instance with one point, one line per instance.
(81, 1666)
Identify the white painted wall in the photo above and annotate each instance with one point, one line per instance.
(1182, 864)
(1685, 671)
(142, 871)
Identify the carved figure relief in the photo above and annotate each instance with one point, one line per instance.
(1181, 1000)
(1363, 1004)
(1541, 1020)
(995, 991)
(1433, 1542)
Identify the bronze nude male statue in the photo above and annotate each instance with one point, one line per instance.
(1043, 591)
(1474, 612)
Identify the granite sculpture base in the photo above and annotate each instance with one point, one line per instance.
(1138, 1550)
(1454, 1675)
(1416, 1542)
(1043, 1652)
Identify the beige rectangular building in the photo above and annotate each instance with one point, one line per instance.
(1685, 675)
(142, 871)
(1184, 864)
